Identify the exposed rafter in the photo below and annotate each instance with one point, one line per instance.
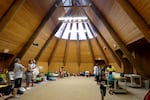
(66, 49)
(39, 28)
(117, 39)
(50, 37)
(99, 45)
(52, 53)
(10, 14)
(55, 46)
(48, 41)
(64, 58)
(78, 48)
(67, 46)
(114, 54)
(136, 18)
(89, 43)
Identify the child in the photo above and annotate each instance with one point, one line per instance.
(103, 81)
(111, 82)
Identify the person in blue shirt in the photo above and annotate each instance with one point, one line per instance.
(111, 81)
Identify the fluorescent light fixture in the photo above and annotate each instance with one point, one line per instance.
(72, 18)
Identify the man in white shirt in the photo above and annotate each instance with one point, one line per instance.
(18, 74)
(95, 71)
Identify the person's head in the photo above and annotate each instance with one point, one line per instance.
(109, 66)
(110, 73)
(30, 61)
(34, 61)
(17, 60)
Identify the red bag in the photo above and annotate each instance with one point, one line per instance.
(147, 96)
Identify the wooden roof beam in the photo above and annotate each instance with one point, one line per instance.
(66, 49)
(52, 53)
(135, 17)
(113, 53)
(39, 28)
(113, 34)
(47, 42)
(89, 43)
(50, 37)
(99, 45)
(10, 14)
(55, 46)
(78, 46)
(117, 39)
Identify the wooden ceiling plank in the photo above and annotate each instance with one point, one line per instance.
(56, 44)
(89, 43)
(10, 14)
(136, 18)
(66, 49)
(113, 34)
(39, 28)
(113, 53)
(99, 45)
(52, 53)
(78, 49)
(65, 46)
(48, 41)
(50, 37)
(117, 39)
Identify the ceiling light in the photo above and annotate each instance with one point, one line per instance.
(72, 18)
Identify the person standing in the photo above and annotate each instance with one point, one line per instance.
(102, 80)
(29, 74)
(36, 70)
(18, 74)
(111, 68)
(111, 82)
(95, 71)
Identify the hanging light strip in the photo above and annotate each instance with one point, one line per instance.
(72, 18)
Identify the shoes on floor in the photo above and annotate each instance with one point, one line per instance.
(17, 96)
(28, 88)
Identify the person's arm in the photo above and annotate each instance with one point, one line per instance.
(22, 67)
(114, 69)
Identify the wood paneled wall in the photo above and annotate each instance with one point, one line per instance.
(142, 56)
(72, 67)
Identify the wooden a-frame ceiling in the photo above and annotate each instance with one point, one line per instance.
(117, 23)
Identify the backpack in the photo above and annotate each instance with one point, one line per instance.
(6, 90)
